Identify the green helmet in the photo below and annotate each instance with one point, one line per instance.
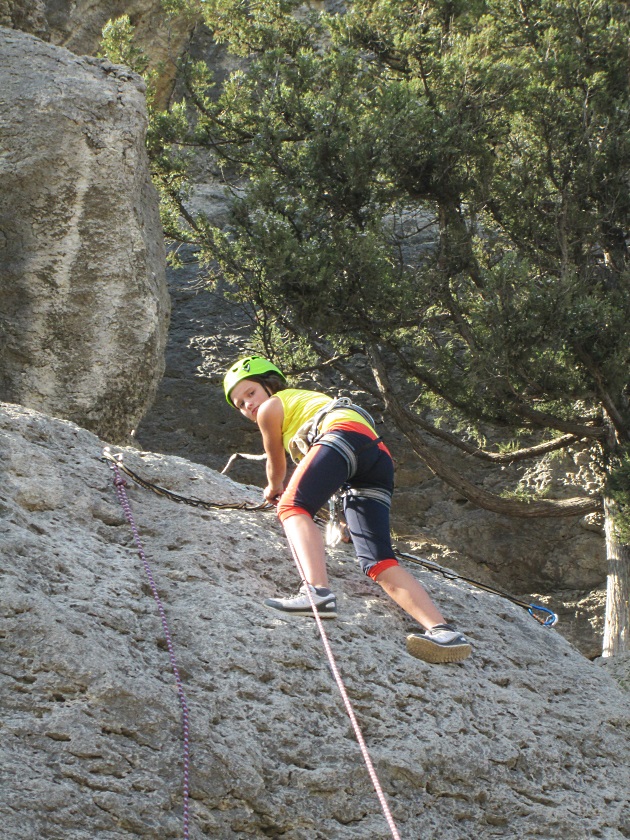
(245, 369)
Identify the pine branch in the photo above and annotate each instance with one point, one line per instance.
(577, 506)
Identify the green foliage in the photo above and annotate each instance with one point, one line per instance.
(258, 26)
(169, 165)
(448, 181)
(524, 494)
(117, 45)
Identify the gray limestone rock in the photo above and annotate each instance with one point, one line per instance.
(78, 26)
(527, 738)
(27, 15)
(85, 307)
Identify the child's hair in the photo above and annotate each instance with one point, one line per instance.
(271, 382)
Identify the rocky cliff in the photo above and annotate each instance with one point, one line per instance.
(525, 739)
(85, 307)
(563, 560)
(78, 25)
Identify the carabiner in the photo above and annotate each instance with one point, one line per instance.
(551, 619)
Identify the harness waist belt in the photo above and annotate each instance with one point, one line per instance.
(382, 496)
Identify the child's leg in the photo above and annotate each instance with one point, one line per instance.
(308, 544)
(367, 514)
(368, 521)
(409, 594)
(318, 476)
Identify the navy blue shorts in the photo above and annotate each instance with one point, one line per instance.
(364, 469)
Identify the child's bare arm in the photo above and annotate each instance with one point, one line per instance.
(269, 419)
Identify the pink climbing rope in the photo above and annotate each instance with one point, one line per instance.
(120, 484)
(344, 694)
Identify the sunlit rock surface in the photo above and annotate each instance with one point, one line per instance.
(527, 738)
(84, 314)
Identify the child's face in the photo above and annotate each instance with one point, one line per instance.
(248, 396)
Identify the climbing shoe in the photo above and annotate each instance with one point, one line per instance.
(324, 599)
(442, 643)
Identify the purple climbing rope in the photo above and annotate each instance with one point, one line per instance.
(120, 484)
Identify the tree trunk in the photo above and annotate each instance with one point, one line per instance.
(617, 624)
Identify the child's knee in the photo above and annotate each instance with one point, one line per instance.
(373, 570)
(287, 508)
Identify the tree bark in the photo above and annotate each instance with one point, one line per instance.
(617, 622)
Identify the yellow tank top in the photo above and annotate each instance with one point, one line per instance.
(300, 406)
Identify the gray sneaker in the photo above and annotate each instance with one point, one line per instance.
(324, 599)
(442, 643)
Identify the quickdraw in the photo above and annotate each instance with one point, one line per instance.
(336, 530)
(548, 619)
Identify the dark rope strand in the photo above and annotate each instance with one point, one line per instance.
(450, 575)
(175, 497)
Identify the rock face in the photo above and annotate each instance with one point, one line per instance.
(27, 15)
(525, 739)
(84, 314)
(562, 561)
(78, 25)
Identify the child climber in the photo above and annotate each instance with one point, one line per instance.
(343, 451)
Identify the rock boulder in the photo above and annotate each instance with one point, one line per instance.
(78, 25)
(85, 307)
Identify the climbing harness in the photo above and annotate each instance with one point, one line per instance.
(344, 695)
(308, 433)
(120, 484)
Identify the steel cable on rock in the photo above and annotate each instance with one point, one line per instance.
(191, 501)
